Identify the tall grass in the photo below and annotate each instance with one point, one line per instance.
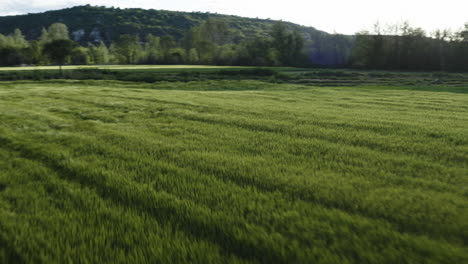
(232, 171)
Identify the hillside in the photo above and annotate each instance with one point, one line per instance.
(93, 24)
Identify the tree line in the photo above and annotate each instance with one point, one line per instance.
(394, 48)
(207, 43)
(402, 47)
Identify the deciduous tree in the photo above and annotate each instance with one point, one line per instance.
(59, 50)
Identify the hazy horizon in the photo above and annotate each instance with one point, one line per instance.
(338, 16)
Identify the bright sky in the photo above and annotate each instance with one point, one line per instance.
(341, 16)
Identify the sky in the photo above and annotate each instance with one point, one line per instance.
(340, 16)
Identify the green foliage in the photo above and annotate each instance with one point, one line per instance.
(57, 31)
(247, 172)
(126, 49)
(215, 31)
(59, 50)
(167, 42)
(409, 49)
(209, 42)
(99, 54)
(80, 56)
(35, 53)
(12, 56)
(17, 39)
(152, 52)
(289, 45)
(14, 49)
(44, 38)
(258, 52)
(193, 57)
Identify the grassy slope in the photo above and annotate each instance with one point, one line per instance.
(105, 171)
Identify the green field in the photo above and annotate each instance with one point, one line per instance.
(116, 67)
(232, 171)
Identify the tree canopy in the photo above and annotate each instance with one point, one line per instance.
(58, 50)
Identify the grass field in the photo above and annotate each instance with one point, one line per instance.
(115, 67)
(186, 73)
(232, 171)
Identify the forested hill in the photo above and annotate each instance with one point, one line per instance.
(94, 24)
